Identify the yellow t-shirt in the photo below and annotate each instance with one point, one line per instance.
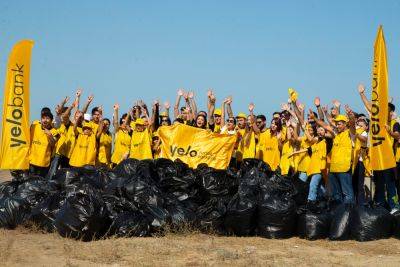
(141, 145)
(318, 158)
(122, 144)
(249, 151)
(84, 151)
(341, 154)
(40, 151)
(105, 144)
(304, 158)
(286, 163)
(217, 128)
(268, 149)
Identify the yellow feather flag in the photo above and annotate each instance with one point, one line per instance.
(381, 150)
(15, 138)
(194, 146)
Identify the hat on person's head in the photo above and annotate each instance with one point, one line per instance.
(87, 124)
(139, 121)
(341, 117)
(164, 114)
(241, 115)
(218, 112)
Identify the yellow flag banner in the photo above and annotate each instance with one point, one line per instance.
(15, 137)
(194, 146)
(382, 156)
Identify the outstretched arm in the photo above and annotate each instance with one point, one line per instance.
(115, 119)
(210, 106)
(178, 100)
(87, 104)
(229, 106)
(366, 102)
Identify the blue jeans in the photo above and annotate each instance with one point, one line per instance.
(341, 187)
(315, 187)
(385, 186)
(303, 176)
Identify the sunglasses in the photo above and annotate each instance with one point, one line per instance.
(164, 120)
(231, 121)
(217, 116)
(258, 122)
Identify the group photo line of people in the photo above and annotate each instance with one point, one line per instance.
(325, 146)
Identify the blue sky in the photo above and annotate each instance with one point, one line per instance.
(122, 51)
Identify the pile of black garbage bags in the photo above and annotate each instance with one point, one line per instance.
(150, 197)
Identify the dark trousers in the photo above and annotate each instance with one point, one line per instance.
(36, 170)
(59, 161)
(358, 183)
(385, 188)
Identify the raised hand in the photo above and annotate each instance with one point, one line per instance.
(90, 98)
(181, 92)
(317, 101)
(301, 107)
(209, 93)
(336, 103)
(361, 88)
(100, 109)
(311, 114)
(325, 109)
(78, 92)
(285, 106)
(191, 94)
(251, 107)
(167, 105)
(116, 107)
(229, 100)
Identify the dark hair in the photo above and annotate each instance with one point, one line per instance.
(168, 120)
(64, 109)
(278, 124)
(261, 117)
(234, 119)
(122, 118)
(45, 110)
(95, 109)
(392, 107)
(276, 113)
(205, 121)
(202, 111)
(47, 114)
(180, 120)
(315, 114)
(105, 119)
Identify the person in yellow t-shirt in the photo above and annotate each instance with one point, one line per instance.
(270, 144)
(85, 148)
(122, 138)
(43, 140)
(105, 144)
(140, 142)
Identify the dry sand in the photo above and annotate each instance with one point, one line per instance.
(25, 247)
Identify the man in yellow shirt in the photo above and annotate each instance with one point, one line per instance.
(43, 139)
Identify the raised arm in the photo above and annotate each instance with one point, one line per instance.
(352, 120)
(317, 103)
(223, 109)
(210, 106)
(166, 107)
(192, 103)
(336, 105)
(319, 122)
(298, 112)
(178, 100)
(229, 106)
(155, 114)
(87, 104)
(366, 102)
(79, 119)
(115, 118)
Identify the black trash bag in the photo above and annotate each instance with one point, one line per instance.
(216, 182)
(66, 176)
(180, 214)
(340, 225)
(240, 216)
(314, 225)
(301, 190)
(253, 174)
(211, 215)
(115, 187)
(175, 178)
(276, 216)
(116, 205)
(13, 212)
(33, 191)
(98, 178)
(8, 188)
(83, 216)
(396, 226)
(249, 166)
(157, 216)
(146, 171)
(130, 224)
(44, 214)
(370, 223)
(126, 168)
(143, 193)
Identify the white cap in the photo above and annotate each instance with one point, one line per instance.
(87, 117)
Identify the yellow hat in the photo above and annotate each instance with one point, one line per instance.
(341, 117)
(87, 124)
(241, 115)
(292, 95)
(139, 121)
(164, 114)
(218, 112)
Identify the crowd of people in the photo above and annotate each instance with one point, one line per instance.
(327, 147)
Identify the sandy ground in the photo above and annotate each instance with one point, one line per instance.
(26, 247)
